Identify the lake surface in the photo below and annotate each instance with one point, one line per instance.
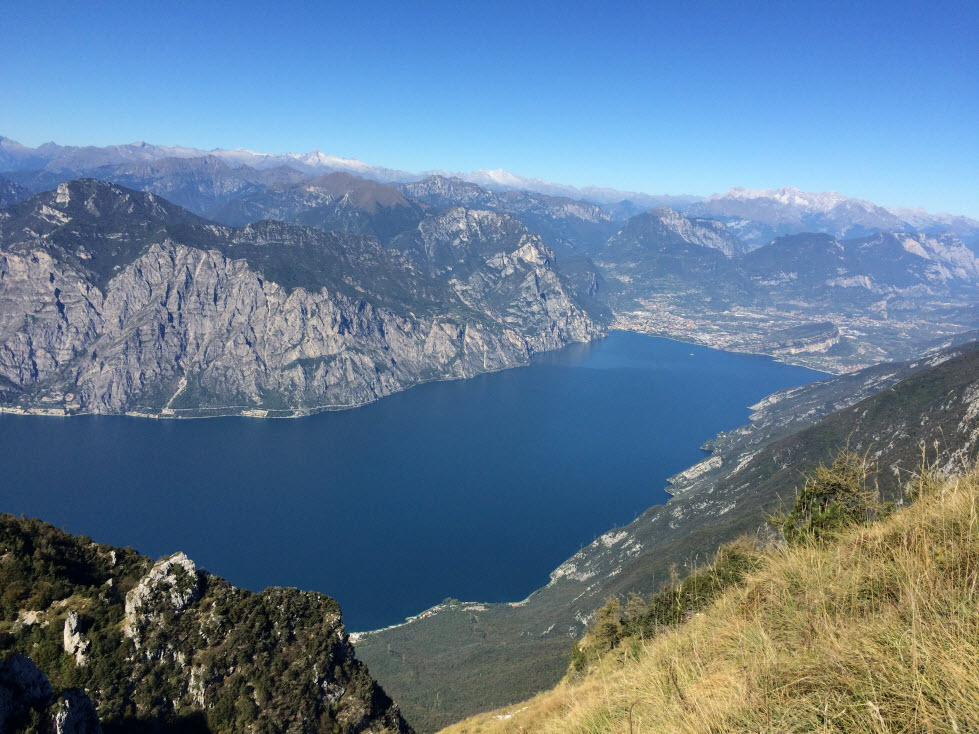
(473, 489)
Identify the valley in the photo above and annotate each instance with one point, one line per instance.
(185, 284)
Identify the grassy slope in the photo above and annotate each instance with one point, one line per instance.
(876, 632)
(457, 663)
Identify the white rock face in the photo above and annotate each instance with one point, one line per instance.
(946, 249)
(702, 232)
(172, 584)
(74, 643)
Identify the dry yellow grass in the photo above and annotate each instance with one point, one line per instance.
(876, 632)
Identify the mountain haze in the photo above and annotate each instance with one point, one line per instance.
(756, 216)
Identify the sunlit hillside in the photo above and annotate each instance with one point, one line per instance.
(874, 631)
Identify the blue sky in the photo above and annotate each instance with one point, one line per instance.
(876, 100)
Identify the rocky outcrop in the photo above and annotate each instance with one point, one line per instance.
(75, 714)
(180, 650)
(115, 301)
(74, 642)
(163, 594)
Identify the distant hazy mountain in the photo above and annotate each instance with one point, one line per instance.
(115, 300)
(567, 225)
(755, 216)
(198, 184)
(338, 201)
(663, 230)
(758, 216)
(53, 158)
(662, 249)
(819, 268)
(634, 201)
(67, 158)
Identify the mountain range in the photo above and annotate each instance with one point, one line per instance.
(173, 282)
(759, 216)
(808, 298)
(756, 216)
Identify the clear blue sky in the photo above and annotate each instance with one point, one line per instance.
(876, 100)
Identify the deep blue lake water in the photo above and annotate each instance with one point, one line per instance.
(473, 489)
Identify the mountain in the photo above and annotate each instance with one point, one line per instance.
(496, 266)
(567, 225)
(613, 200)
(338, 201)
(119, 301)
(483, 656)
(759, 216)
(70, 159)
(51, 158)
(755, 216)
(165, 646)
(820, 269)
(663, 251)
(11, 193)
(812, 298)
(663, 230)
(198, 184)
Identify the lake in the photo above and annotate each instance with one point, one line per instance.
(471, 489)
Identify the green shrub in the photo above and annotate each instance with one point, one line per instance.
(676, 603)
(834, 497)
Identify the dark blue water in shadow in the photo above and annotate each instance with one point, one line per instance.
(473, 489)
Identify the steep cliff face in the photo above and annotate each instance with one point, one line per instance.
(499, 269)
(168, 647)
(116, 301)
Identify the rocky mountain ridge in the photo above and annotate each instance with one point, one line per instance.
(117, 301)
(759, 216)
(165, 646)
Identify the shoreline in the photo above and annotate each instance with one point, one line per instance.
(357, 636)
(244, 411)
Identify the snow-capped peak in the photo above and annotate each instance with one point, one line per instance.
(822, 202)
